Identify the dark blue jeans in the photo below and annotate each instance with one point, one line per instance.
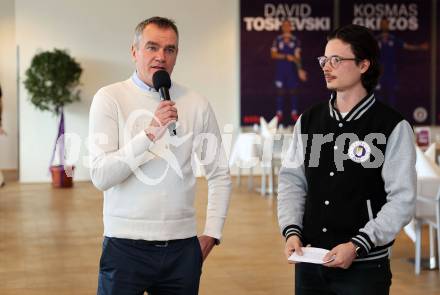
(361, 278)
(132, 267)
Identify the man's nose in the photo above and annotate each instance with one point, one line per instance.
(326, 68)
(160, 55)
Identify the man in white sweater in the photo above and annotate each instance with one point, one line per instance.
(150, 238)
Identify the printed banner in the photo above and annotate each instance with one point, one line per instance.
(280, 43)
(403, 30)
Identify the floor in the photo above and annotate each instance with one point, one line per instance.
(50, 243)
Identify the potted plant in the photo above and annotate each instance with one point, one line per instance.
(52, 81)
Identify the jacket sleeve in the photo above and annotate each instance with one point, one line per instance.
(399, 175)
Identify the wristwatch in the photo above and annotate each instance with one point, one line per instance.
(360, 251)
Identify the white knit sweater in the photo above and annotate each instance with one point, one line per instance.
(149, 188)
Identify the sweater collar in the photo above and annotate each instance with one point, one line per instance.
(356, 112)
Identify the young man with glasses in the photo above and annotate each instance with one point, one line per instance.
(348, 182)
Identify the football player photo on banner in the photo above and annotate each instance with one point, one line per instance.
(280, 42)
(403, 31)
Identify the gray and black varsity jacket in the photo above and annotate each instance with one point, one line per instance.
(348, 178)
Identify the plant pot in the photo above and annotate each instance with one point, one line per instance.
(62, 176)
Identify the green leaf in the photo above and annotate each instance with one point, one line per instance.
(52, 79)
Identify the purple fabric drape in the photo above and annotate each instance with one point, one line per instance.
(61, 142)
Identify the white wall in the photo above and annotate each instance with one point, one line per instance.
(8, 74)
(98, 34)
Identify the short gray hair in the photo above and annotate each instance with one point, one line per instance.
(161, 22)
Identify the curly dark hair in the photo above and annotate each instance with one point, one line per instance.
(364, 46)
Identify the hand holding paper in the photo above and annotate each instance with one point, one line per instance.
(343, 255)
(310, 255)
(293, 244)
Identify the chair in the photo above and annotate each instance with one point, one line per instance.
(275, 143)
(245, 155)
(269, 136)
(428, 212)
(428, 207)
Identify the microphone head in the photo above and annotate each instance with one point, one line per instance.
(161, 79)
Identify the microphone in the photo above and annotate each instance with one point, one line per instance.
(162, 82)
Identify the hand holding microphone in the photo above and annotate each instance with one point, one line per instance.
(165, 115)
(162, 84)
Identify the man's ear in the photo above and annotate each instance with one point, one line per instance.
(365, 65)
(133, 52)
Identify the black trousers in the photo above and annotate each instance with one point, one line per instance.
(361, 278)
(132, 267)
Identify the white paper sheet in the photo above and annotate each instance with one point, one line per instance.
(310, 255)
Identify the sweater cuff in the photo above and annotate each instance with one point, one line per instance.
(214, 227)
(292, 230)
(135, 150)
(362, 240)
